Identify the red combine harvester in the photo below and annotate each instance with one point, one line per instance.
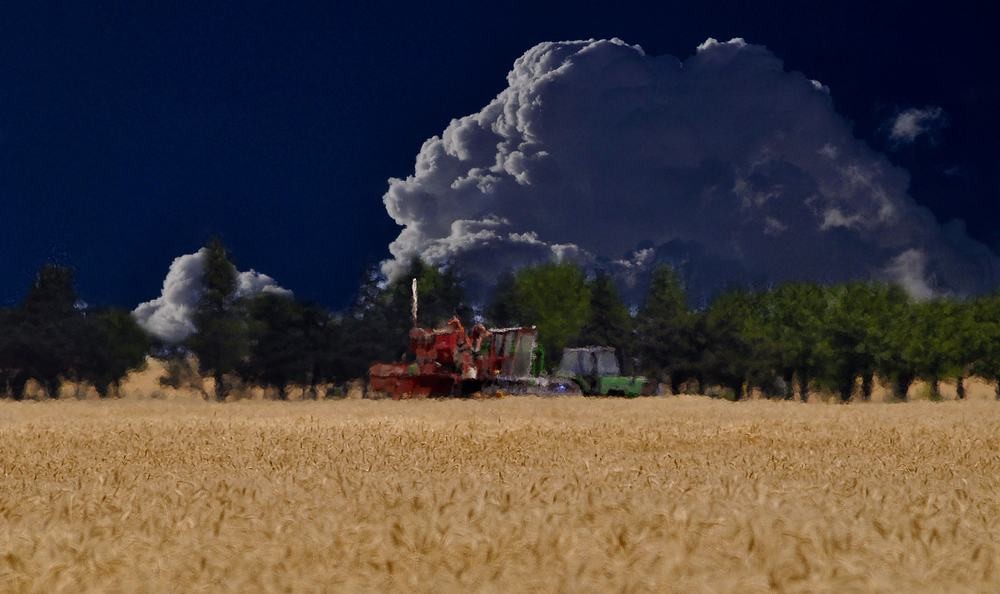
(450, 362)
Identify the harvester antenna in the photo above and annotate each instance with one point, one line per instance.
(413, 309)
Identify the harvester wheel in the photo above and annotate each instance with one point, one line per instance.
(470, 387)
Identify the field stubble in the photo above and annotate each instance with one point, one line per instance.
(562, 494)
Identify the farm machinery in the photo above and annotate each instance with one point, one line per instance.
(452, 362)
(449, 361)
(595, 370)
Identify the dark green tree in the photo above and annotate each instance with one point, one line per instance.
(52, 294)
(279, 353)
(502, 311)
(958, 334)
(10, 355)
(111, 344)
(556, 299)
(985, 341)
(608, 322)
(377, 326)
(52, 337)
(323, 343)
(903, 337)
(440, 296)
(856, 334)
(48, 330)
(786, 330)
(666, 331)
(728, 356)
(220, 340)
(933, 341)
(372, 331)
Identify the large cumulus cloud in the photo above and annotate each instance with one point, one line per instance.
(722, 164)
(169, 316)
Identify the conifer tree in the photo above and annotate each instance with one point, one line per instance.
(665, 331)
(220, 339)
(609, 322)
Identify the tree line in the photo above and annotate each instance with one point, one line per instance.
(52, 337)
(794, 338)
(268, 339)
(783, 342)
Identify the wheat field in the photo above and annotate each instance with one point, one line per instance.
(518, 494)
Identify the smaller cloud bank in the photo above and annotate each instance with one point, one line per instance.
(912, 123)
(169, 316)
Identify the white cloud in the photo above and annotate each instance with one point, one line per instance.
(723, 164)
(169, 316)
(773, 226)
(713, 44)
(820, 87)
(909, 270)
(908, 124)
(829, 151)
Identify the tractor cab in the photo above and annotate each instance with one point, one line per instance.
(595, 369)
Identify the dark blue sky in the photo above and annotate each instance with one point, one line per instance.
(129, 134)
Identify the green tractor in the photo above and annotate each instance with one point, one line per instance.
(595, 370)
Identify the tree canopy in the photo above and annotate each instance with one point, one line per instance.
(556, 299)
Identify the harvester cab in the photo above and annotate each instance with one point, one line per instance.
(595, 370)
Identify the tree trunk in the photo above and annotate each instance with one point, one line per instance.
(52, 388)
(960, 387)
(803, 387)
(902, 386)
(788, 376)
(846, 389)
(220, 388)
(935, 384)
(18, 383)
(998, 389)
(867, 385)
(737, 388)
(675, 384)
